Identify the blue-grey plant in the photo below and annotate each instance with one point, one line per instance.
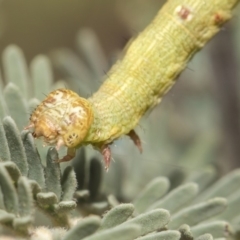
(79, 200)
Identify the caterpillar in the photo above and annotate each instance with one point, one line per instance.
(134, 84)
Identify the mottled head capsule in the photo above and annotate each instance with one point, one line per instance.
(63, 118)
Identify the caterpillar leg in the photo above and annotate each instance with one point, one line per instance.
(106, 152)
(135, 138)
(71, 152)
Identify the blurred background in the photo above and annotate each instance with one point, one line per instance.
(197, 123)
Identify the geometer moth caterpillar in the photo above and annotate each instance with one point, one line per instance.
(134, 84)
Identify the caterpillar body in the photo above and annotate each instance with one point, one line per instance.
(135, 84)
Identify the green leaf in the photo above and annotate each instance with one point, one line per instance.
(79, 165)
(203, 178)
(17, 105)
(5, 217)
(32, 104)
(46, 199)
(35, 187)
(197, 213)
(117, 215)
(15, 145)
(121, 232)
(69, 184)
(97, 207)
(83, 228)
(177, 198)
(4, 150)
(70, 63)
(25, 198)
(42, 76)
(15, 68)
(9, 194)
(1, 80)
(223, 187)
(1, 200)
(35, 171)
(206, 236)
(151, 221)
(66, 206)
(186, 233)
(152, 192)
(82, 194)
(164, 235)
(12, 170)
(22, 223)
(89, 45)
(217, 229)
(53, 173)
(233, 203)
(3, 106)
(112, 200)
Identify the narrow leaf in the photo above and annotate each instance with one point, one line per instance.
(46, 199)
(1, 200)
(15, 68)
(17, 151)
(35, 171)
(83, 228)
(203, 178)
(88, 43)
(164, 235)
(42, 76)
(75, 68)
(9, 194)
(69, 184)
(66, 206)
(3, 106)
(53, 173)
(25, 198)
(151, 221)
(33, 103)
(35, 187)
(206, 236)
(22, 223)
(185, 232)
(233, 203)
(223, 187)
(4, 150)
(5, 217)
(13, 170)
(79, 165)
(152, 192)
(117, 215)
(121, 232)
(217, 229)
(177, 198)
(16, 104)
(197, 213)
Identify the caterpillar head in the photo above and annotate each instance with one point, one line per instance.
(63, 118)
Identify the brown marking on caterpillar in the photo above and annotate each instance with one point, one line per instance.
(184, 13)
(220, 17)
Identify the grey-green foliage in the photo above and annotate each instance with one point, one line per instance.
(24, 178)
(31, 181)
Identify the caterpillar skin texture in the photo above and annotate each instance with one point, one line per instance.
(135, 84)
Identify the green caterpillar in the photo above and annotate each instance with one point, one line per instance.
(135, 84)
